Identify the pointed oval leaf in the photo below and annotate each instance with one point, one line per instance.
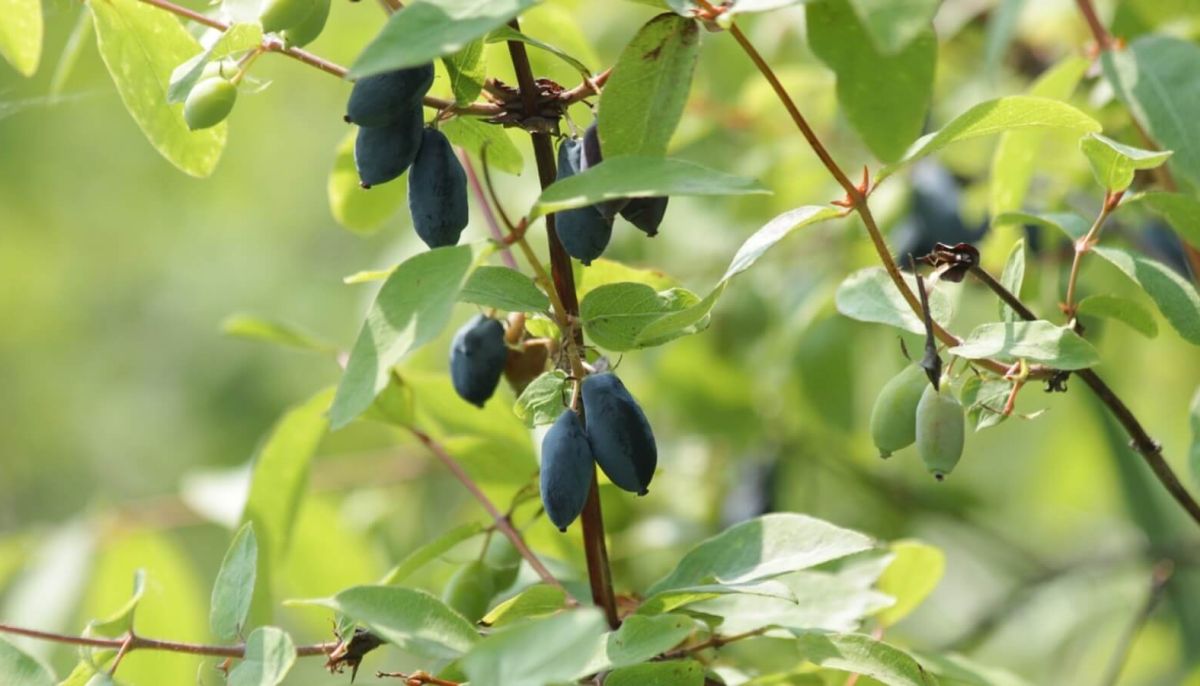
(1012, 277)
(869, 295)
(535, 601)
(670, 673)
(911, 576)
(615, 315)
(270, 654)
(643, 100)
(641, 637)
(21, 34)
(234, 587)
(252, 328)
(429, 552)
(536, 652)
(768, 546)
(21, 669)
(1113, 163)
(1037, 341)
(428, 29)
(141, 45)
(893, 25)
(1122, 309)
(1176, 298)
(864, 655)
(504, 289)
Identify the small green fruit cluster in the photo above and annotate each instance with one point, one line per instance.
(473, 586)
(298, 21)
(910, 410)
(209, 102)
(586, 231)
(478, 354)
(618, 438)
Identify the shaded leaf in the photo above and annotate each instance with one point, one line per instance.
(473, 135)
(543, 399)
(670, 673)
(535, 601)
(1176, 298)
(869, 295)
(641, 637)
(411, 309)
(428, 29)
(430, 551)
(141, 45)
(884, 96)
(767, 546)
(643, 100)
(1037, 341)
(504, 289)
(1122, 309)
(414, 620)
(536, 652)
(1113, 163)
(20, 669)
(1194, 421)
(270, 654)
(1012, 277)
(985, 400)
(864, 655)
(1015, 112)
(893, 25)
(467, 71)
(508, 33)
(1181, 211)
(254, 328)
(233, 589)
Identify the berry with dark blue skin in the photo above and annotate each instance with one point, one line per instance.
(646, 214)
(437, 192)
(584, 232)
(386, 152)
(477, 357)
(591, 156)
(567, 469)
(619, 433)
(381, 99)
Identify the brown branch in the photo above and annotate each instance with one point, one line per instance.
(489, 215)
(715, 641)
(132, 642)
(1104, 39)
(595, 548)
(501, 521)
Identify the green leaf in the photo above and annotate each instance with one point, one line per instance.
(504, 289)
(354, 207)
(641, 637)
(140, 45)
(120, 622)
(270, 654)
(670, 673)
(1037, 341)
(239, 38)
(280, 477)
(1122, 309)
(605, 271)
(1012, 277)
(412, 308)
(959, 671)
(537, 652)
(912, 575)
(639, 177)
(474, 136)
(467, 71)
(1158, 79)
(774, 231)
(644, 98)
(894, 25)
(869, 295)
(1175, 297)
(254, 328)
(1194, 421)
(1016, 155)
(428, 29)
(985, 400)
(234, 587)
(767, 546)
(1072, 226)
(1181, 211)
(542, 400)
(885, 97)
(20, 669)
(614, 316)
(535, 601)
(864, 655)
(411, 619)
(1012, 113)
(508, 33)
(1113, 163)
(430, 551)
(21, 34)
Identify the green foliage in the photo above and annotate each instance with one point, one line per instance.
(234, 587)
(1176, 298)
(869, 295)
(270, 654)
(537, 652)
(1113, 163)
(671, 673)
(20, 669)
(1038, 341)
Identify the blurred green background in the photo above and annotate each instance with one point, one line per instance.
(126, 418)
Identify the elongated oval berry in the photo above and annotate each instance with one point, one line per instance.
(307, 30)
(477, 357)
(567, 469)
(894, 416)
(503, 559)
(619, 433)
(470, 590)
(941, 430)
(646, 214)
(590, 156)
(384, 153)
(280, 15)
(437, 192)
(209, 103)
(584, 232)
(381, 99)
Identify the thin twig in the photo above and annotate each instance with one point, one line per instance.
(131, 643)
(1084, 245)
(715, 641)
(501, 521)
(489, 215)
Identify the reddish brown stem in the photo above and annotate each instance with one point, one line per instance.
(133, 642)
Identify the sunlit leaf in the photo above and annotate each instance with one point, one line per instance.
(120, 621)
(467, 71)
(1037, 341)
(21, 34)
(642, 637)
(536, 652)
(864, 655)
(1113, 163)
(535, 601)
(869, 295)
(912, 575)
(1121, 309)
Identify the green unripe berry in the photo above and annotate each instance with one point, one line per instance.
(470, 591)
(941, 430)
(307, 30)
(209, 103)
(504, 560)
(280, 15)
(894, 416)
